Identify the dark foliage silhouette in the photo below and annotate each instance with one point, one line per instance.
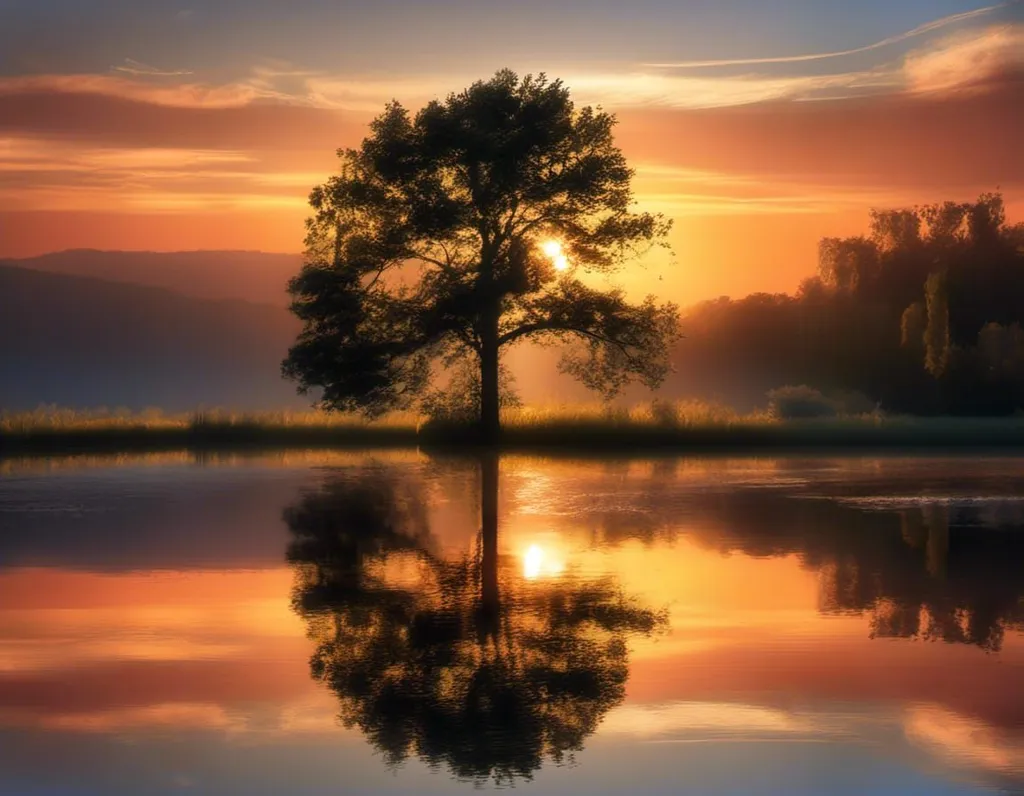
(428, 250)
(934, 569)
(463, 663)
(923, 316)
(924, 571)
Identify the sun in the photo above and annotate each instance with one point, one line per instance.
(554, 252)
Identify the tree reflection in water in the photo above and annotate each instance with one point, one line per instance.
(929, 571)
(937, 569)
(463, 663)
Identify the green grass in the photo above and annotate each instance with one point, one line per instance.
(685, 426)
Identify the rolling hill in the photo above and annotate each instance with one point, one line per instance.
(250, 276)
(85, 342)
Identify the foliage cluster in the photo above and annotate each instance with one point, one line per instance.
(922, 316)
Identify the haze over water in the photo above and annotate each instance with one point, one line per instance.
(376, 623)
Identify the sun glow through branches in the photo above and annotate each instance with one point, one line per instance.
(554, 252)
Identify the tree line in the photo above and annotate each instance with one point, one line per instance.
(921, 315)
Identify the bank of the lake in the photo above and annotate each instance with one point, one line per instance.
(54, 432)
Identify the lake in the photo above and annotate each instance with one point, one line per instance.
(395, 623)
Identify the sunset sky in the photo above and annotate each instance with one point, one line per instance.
(759, 127)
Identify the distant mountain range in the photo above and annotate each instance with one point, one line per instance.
(79, 341)
(248, 276)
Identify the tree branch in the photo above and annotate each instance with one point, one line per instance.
(555, 327)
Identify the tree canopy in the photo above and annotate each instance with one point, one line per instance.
(466, 228)
(922, 315)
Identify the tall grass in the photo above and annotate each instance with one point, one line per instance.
(52, 429)
(657, 415)
(687, 425)
(54, 418)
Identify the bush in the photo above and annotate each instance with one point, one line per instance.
(854, 404)
(800, 403)
(665, 413)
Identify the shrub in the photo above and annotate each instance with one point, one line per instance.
(799, 403)
(854, 404)
(665, 413)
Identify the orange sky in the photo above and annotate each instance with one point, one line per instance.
(753, 161)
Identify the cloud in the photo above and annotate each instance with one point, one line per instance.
(131, 120)
(967, 60)
(886, 141)
(177, 716)
(114, 197)
(972, 57)
(29, 153)
(41, 174)
(645, 89)
(966, 742)
(180, 95)
(139, 69)
(707, 720)
(950, 740)
(921, 30)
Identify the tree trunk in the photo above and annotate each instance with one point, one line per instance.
(489, 597)
(490, 411)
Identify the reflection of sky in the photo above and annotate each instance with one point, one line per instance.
(147, 642)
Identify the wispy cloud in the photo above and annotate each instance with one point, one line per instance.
(707, 719)
(46, 175)
(129, 87)
(964, 741)
(928, 27)
(137, 68)
(966, 59)
(677, 91)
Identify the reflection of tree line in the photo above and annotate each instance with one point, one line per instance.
(928, 570)
(965, 585)
(460, 662)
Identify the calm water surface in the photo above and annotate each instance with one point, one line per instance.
(399, 624)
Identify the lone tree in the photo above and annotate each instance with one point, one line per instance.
(448, 236)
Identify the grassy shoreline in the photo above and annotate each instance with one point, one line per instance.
(699, 430)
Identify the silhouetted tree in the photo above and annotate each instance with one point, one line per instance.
(936, 333)
(463, 230)
(912, 327)
(895, 316)
(460, 662)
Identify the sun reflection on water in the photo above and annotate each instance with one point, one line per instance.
(540, 563)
